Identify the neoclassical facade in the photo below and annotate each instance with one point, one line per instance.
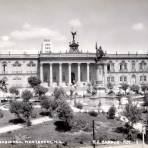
(74, 67)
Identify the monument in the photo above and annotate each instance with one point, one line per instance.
(99, 86)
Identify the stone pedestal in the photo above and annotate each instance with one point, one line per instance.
(99, 87)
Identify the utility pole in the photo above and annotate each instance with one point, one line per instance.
(93, 122)
(143, 134)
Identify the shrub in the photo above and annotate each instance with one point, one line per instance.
(135, 88)
(34, 81)
(80, 124)
(26, 95)
(14, 90)
(16, 108)
(111, 112)
(48, 105)
(93, 113)
(59, 93)
(40, 90)
(132, 113)
(78, 105)
(65, 113)
(22, 110)
(1, 114)
(124, 86)
(144, 87)
(33, 115)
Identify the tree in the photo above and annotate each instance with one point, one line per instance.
(16, 108)
(34, 81)
(124, 86)
(144, 88)
(40, 90)
(48, 105)
(26, 95)
(59, 93)
(14, 91)
(65, 113)
(27, 111)
(112, 112)
(135, 88)
(3, 85)
(145, 99)
(132, 113)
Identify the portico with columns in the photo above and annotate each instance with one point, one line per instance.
(66, 73)
(73, 67)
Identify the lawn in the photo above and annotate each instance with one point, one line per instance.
(47, 131)
(8, 117)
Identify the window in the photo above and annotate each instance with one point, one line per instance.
(16, 64)
(123, 66)
(31, 64)
(17, 78)
(110, 67)
(142, 65)
(110, 79)
(133, 65)
(123, 78)
(143, 78)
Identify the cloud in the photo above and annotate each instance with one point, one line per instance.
(138, 26)
(6, 44)
(75, 23)
(5, 38)
(33, 32)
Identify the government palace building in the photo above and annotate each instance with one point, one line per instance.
(74, 66)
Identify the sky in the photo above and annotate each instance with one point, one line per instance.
(116, 25)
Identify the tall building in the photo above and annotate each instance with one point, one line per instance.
(74, 67)
(46, 46)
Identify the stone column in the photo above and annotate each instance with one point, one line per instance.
(41, 72)
(88, 72)
(51, 77)
(99, 74)
(79, 72)
(69, 73)
(60, 73)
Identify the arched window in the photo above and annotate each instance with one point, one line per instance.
(142, 65)
(123, 66)
(31, 64)
(133, 79)
(110, 67)
(16, 64)
(133, 65)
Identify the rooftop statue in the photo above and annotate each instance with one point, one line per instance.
(99, 53)
(73, 35)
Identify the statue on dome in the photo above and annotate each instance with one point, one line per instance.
(73, 35)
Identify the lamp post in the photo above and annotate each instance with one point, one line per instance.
(93, 123)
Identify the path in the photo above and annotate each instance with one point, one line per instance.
(9, 128)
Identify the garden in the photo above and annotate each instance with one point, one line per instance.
(67, 119)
